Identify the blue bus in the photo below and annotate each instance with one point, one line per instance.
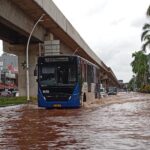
(66, 81)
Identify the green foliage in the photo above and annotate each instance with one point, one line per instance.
(140, 63)
(145, 89)
(145, 37)
(148, 11)
(140, 68)
(7, 101)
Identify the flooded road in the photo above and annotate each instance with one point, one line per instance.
(122, 125)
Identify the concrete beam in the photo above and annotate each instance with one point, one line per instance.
(13, 16)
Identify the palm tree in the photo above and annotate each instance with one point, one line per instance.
(140, 67)
(148, 11)
(145, 37)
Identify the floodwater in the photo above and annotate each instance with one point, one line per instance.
(118, 126)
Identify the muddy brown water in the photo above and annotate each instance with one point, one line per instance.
(118, 126)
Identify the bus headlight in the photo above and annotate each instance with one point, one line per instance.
(69, 97)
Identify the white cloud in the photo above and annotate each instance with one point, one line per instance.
(112, 28)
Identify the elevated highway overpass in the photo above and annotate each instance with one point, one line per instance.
(17, 18)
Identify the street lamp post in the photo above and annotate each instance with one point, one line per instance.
(27, 56)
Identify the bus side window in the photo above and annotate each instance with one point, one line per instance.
(82, 71)
(85, 72)
(36, 71)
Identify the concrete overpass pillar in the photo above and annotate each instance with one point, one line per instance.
(22, 71)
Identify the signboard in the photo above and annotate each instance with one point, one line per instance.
(55, 59)
(10, 75)
(51, 47)
(1, 63)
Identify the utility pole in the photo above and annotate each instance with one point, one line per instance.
(27, 56)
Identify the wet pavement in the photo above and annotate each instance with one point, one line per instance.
(122, 125)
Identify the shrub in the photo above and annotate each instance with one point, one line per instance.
(145, 89)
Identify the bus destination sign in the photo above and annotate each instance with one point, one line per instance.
(56, 59)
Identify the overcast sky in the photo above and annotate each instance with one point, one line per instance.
(111, 28)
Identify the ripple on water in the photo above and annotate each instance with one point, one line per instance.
(118, 126)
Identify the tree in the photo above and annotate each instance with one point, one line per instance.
(145, 37)
(140, 63)
(132, 84)
(148, 11)
(140, 67)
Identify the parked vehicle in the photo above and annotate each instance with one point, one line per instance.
(6, 93)
(103, 92)
(112, 91)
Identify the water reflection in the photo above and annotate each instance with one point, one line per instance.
(118, 126)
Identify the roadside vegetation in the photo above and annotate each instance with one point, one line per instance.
(9, 101)
(141, 62)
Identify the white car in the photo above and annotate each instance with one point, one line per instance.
(103, 92)
(6, 93)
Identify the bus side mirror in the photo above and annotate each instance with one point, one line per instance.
(35, 71)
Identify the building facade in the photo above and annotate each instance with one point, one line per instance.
(8, 71)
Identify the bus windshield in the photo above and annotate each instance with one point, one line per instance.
(58, 74)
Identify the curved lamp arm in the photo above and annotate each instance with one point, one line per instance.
(27, 56)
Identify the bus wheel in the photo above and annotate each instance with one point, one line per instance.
(84, 97)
